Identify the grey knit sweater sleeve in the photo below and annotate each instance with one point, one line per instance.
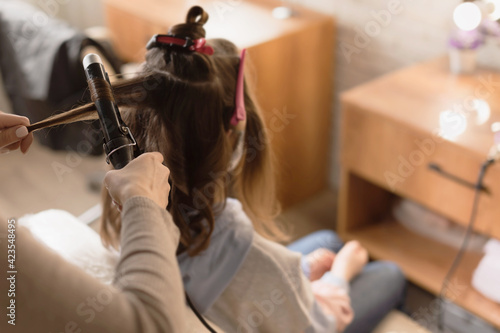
(54, 296)
(270, 294)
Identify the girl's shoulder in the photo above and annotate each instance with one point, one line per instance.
(231, 215)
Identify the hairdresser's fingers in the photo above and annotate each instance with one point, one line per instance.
(26, 143)
(157, 156)
(9, 125)
(109, 181)
(117, 205)
(9, 148)
(12, 146)
(11, 135)
(113, 184)
(9, 120)
(144, 176)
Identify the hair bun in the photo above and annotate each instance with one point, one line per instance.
(196, 15)
(193, 27)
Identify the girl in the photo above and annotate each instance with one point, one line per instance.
(191, 104)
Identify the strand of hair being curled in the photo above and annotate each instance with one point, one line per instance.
(181, 105)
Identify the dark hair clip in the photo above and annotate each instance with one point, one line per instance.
(197, 45)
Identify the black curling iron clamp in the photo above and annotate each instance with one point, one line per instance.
(119, 143)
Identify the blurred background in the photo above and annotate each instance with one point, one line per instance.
(380, 113)
(419, 32)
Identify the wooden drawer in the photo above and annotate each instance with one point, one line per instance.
(397, 157)
(387, 147)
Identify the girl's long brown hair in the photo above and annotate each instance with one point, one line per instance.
(180, 105)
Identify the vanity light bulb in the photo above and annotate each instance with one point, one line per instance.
(467, 16)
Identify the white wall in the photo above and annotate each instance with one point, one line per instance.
(415, 31)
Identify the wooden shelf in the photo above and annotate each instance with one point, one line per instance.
(390, 137)
(425, 262)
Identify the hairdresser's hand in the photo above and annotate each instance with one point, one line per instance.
(13, 133)
(320, 262)
(350, 260)
(144, 176)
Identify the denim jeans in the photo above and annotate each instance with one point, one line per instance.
(378, 289)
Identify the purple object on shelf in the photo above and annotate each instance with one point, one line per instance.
(466, 40)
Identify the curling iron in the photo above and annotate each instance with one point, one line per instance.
(119, 143)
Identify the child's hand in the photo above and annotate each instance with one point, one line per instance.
(335, 301)
(320, 262)
(350, 260)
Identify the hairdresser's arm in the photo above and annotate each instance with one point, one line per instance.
(54, 296)
(13, 133)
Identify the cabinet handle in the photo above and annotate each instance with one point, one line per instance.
(435, 167)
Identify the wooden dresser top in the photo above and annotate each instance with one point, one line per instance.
(429, 98)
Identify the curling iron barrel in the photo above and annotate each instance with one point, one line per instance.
(118, 141)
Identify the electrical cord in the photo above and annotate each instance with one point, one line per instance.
(200, 317)
(465, 242)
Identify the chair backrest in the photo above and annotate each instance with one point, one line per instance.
(42, 71)
(4, 99)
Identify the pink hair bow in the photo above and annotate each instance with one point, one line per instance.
(197, 45)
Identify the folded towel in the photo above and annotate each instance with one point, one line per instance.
(486, 277)
(74, 241)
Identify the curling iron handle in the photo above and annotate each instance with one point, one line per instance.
(118, 140)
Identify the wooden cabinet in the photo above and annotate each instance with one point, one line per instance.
(396, 131)
(290, 66)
